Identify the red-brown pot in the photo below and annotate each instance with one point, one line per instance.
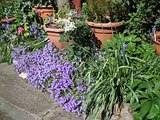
(157, 43)
(77, 4)
(8, 20)
(44, 11)
(103, 31)
(54, 37)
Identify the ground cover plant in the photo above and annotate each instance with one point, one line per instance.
(47, 69)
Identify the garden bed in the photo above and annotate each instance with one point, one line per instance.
(83, 76)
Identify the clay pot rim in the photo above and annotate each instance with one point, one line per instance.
(101, 25)
(156, 42)
(43, 7)
(8, 20)
(57, 30)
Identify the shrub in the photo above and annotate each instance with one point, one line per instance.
(138, 15)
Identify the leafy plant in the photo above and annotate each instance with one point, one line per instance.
(83, 45)
(147, 90)
(109, 76)
(138, 15)
(25, 32)
(157, 24)
(97, 10)
(39, 3)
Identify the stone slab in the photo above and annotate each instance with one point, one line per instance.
(20, 101)
(10, 112)
(17, 92)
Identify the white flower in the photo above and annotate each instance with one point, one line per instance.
(69, 26)
(23, 75)
(66, 23)
(15, 62)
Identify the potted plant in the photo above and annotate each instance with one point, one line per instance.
(97, 14)
(156, 36)
(43, 8)
(61, 23)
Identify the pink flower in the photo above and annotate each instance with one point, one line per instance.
(20, 30)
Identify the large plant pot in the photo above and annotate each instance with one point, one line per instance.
(44, 11)
(77, 4)
(157, 43)
(104, 31)
(54, 37)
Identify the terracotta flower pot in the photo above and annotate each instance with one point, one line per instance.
(77, 4)
(157, 43)
(103, 31)
(54, 37)
(8, 20)
(44, 11)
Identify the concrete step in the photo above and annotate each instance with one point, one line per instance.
(20, 101)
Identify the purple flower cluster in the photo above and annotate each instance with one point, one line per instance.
(36, 32)
(46, 69)
(5, 25)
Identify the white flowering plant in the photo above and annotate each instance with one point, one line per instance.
(65, 19)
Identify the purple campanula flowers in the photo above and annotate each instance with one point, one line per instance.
(47, 66)
(124, 45)
(5, 25)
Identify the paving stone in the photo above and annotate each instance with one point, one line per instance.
(20, 101)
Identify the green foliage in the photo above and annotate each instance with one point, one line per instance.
(139, 15)
(10, 38)
(83, 45)
(96, 10)
(157, 24)
(121, 65)
(6, 47)
(62, 13)
(39, 3)
(148, 93)
(6, 10)
(14, 7)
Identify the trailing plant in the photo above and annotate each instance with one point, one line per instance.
(52, 73)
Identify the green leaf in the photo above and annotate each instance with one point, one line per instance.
(144, 84)
(143, 94)
(136, 83)
(137, 116)
(135, 106)
(156, 92)
(153, 112)
(145, 108)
